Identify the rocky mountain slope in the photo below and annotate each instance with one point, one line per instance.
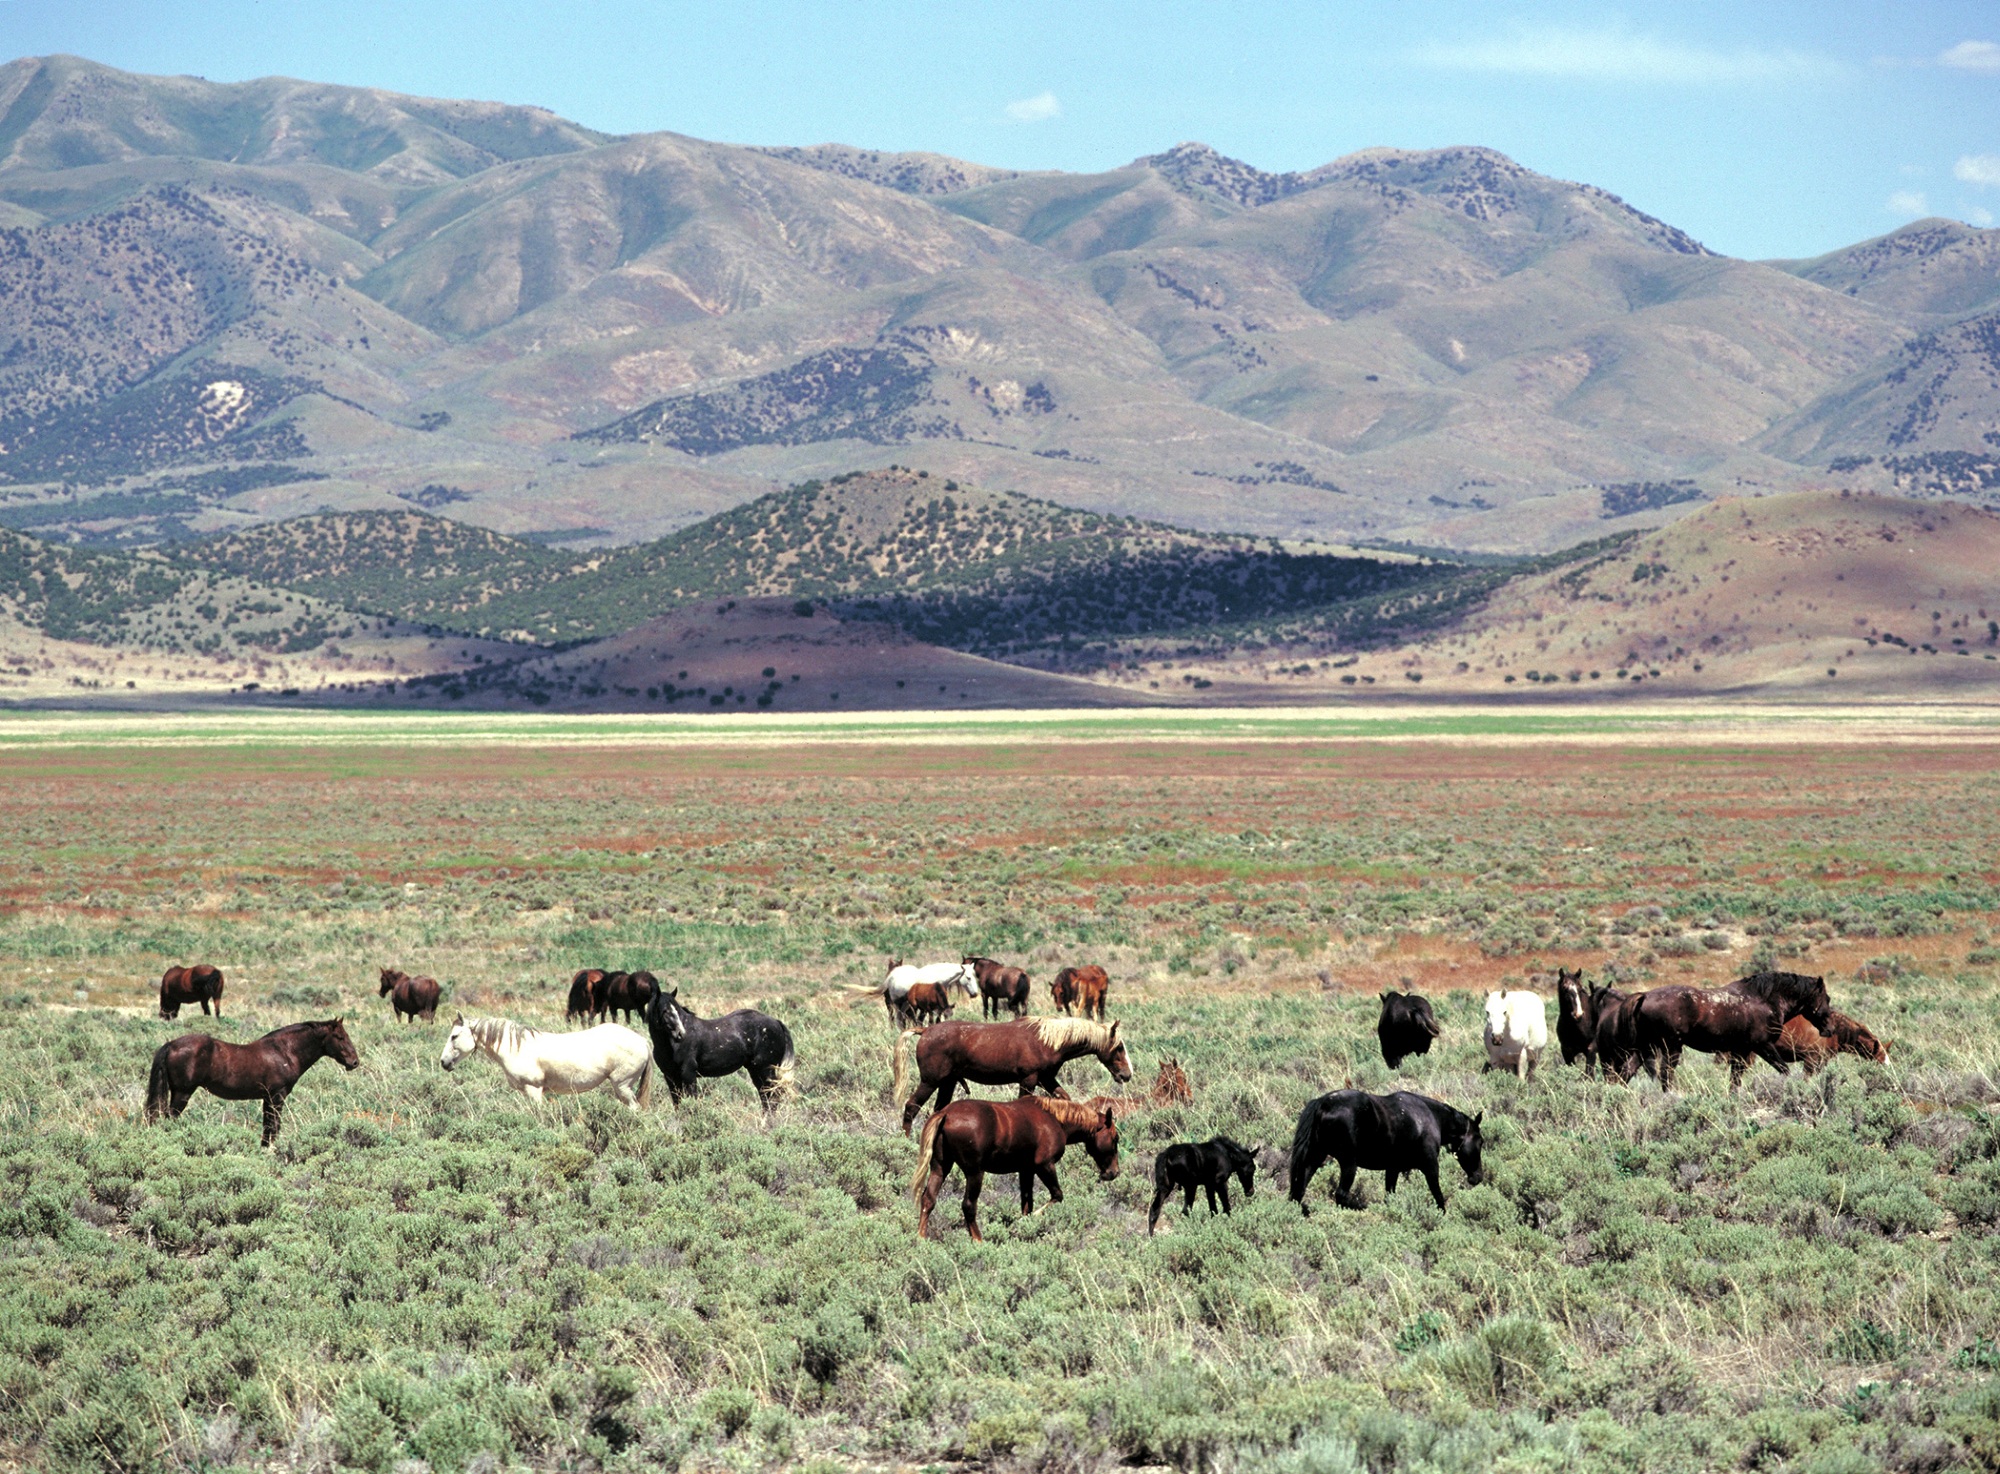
(528, 326)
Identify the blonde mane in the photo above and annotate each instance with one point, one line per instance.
(1070, 1112)
(1060, 1033)
(502, 1035)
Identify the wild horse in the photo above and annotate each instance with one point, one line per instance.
(539, 1063)
(1026, 1136)
(1738, 1021)
(265, 1069)
(410, 998)
(1207, 1165)
(201, 984)
(1029, 1053)
(688, 1047)
(1398, 1135)
(1000, 987)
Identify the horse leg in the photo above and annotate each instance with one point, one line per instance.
(1210, 1190)
(1344, 1194)
(1048, 1176)
(1389, 1180)
(974, 1180)
(179, 1103)
(1187, 1199)
(1431, 1177)
(1521, 1065)
(1223, 1188)
(925, 1088)
(933, 1185)
(1027, 1194)
(274, 1108)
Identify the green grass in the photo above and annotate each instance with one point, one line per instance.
(1801, 1277)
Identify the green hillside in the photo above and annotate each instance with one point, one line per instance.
(992, 573)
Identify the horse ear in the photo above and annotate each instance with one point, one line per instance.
(1387, 995)
(1477, 1119)
(1114, 1028)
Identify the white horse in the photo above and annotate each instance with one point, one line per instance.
(947, 975)
(1517, 1031)
(538, 1063)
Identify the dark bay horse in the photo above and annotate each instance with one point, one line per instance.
(1736, 1022)
(1208, 1165)
(1613, 1042)
(201, 984)
(1083, 988)
(583, 994)
(627, 993)
(265, 1069)
(926, 1003)
(411, 998)
(1026, 1136)
(1027, 1052)
(688, 1048)
(1394, 1134)
(1000, 987)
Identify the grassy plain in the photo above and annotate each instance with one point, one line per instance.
(1803, 1277)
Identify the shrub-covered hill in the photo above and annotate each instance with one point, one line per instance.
(990, 572)
(144, 600)
(423, 568)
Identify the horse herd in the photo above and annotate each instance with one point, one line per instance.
(1780, 1017)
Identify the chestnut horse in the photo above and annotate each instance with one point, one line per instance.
(265, 1069)
(1736, 1022)
(411, 998)
(1025, 1136)
(926, 1003)
(1028, 1052)
(198, 984)
(1084, 987)
(584, 990)
(1800, 1043)
(1000, 987)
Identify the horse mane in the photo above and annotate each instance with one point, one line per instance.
(1070, 1112)
(1792, 987)
(500, 1033)
(1060, 1033)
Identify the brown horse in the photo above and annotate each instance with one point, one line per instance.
(926, 1003)
(625, 992)
(1802, 1044)
(411, 998)
(584, 990)
(1613, 1048)
(1027, 1052)
(1736, 1022)
(1024, 1136)
(1084, 987)
(265, 1069)
(1000, 987)
(1170, 1088)
(198, 984)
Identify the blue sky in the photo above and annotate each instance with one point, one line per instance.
(1766, 129)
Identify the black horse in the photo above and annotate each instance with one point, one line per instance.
(1576, 1018)
(1406, 1026)
(1209, 1165)
(687, 1047)
(1393, 1134)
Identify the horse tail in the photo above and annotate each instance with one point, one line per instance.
(159, 1089)
(1302, 1163)
(902, 1063)
(784, 1080)
(927, 1148)
(646, 1079)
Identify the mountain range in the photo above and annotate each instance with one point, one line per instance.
(227, 304)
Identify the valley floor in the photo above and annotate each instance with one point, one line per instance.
(1802, 1276)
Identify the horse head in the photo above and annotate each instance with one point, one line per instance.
(1102, 1144)
(334, 1033)
(458, 1043)
(1112, 1053)
(1466, 1147)
(1817, 1005)
(1244, 1165)
(1570, 994)
(966, 979)
(668, 1001)
(389, 977)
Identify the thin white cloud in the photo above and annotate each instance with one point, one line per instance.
(1972, 56)
(1977, 169)
(1037, 109)
(1978, 217)
(1621, 56)
(1909, 204)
